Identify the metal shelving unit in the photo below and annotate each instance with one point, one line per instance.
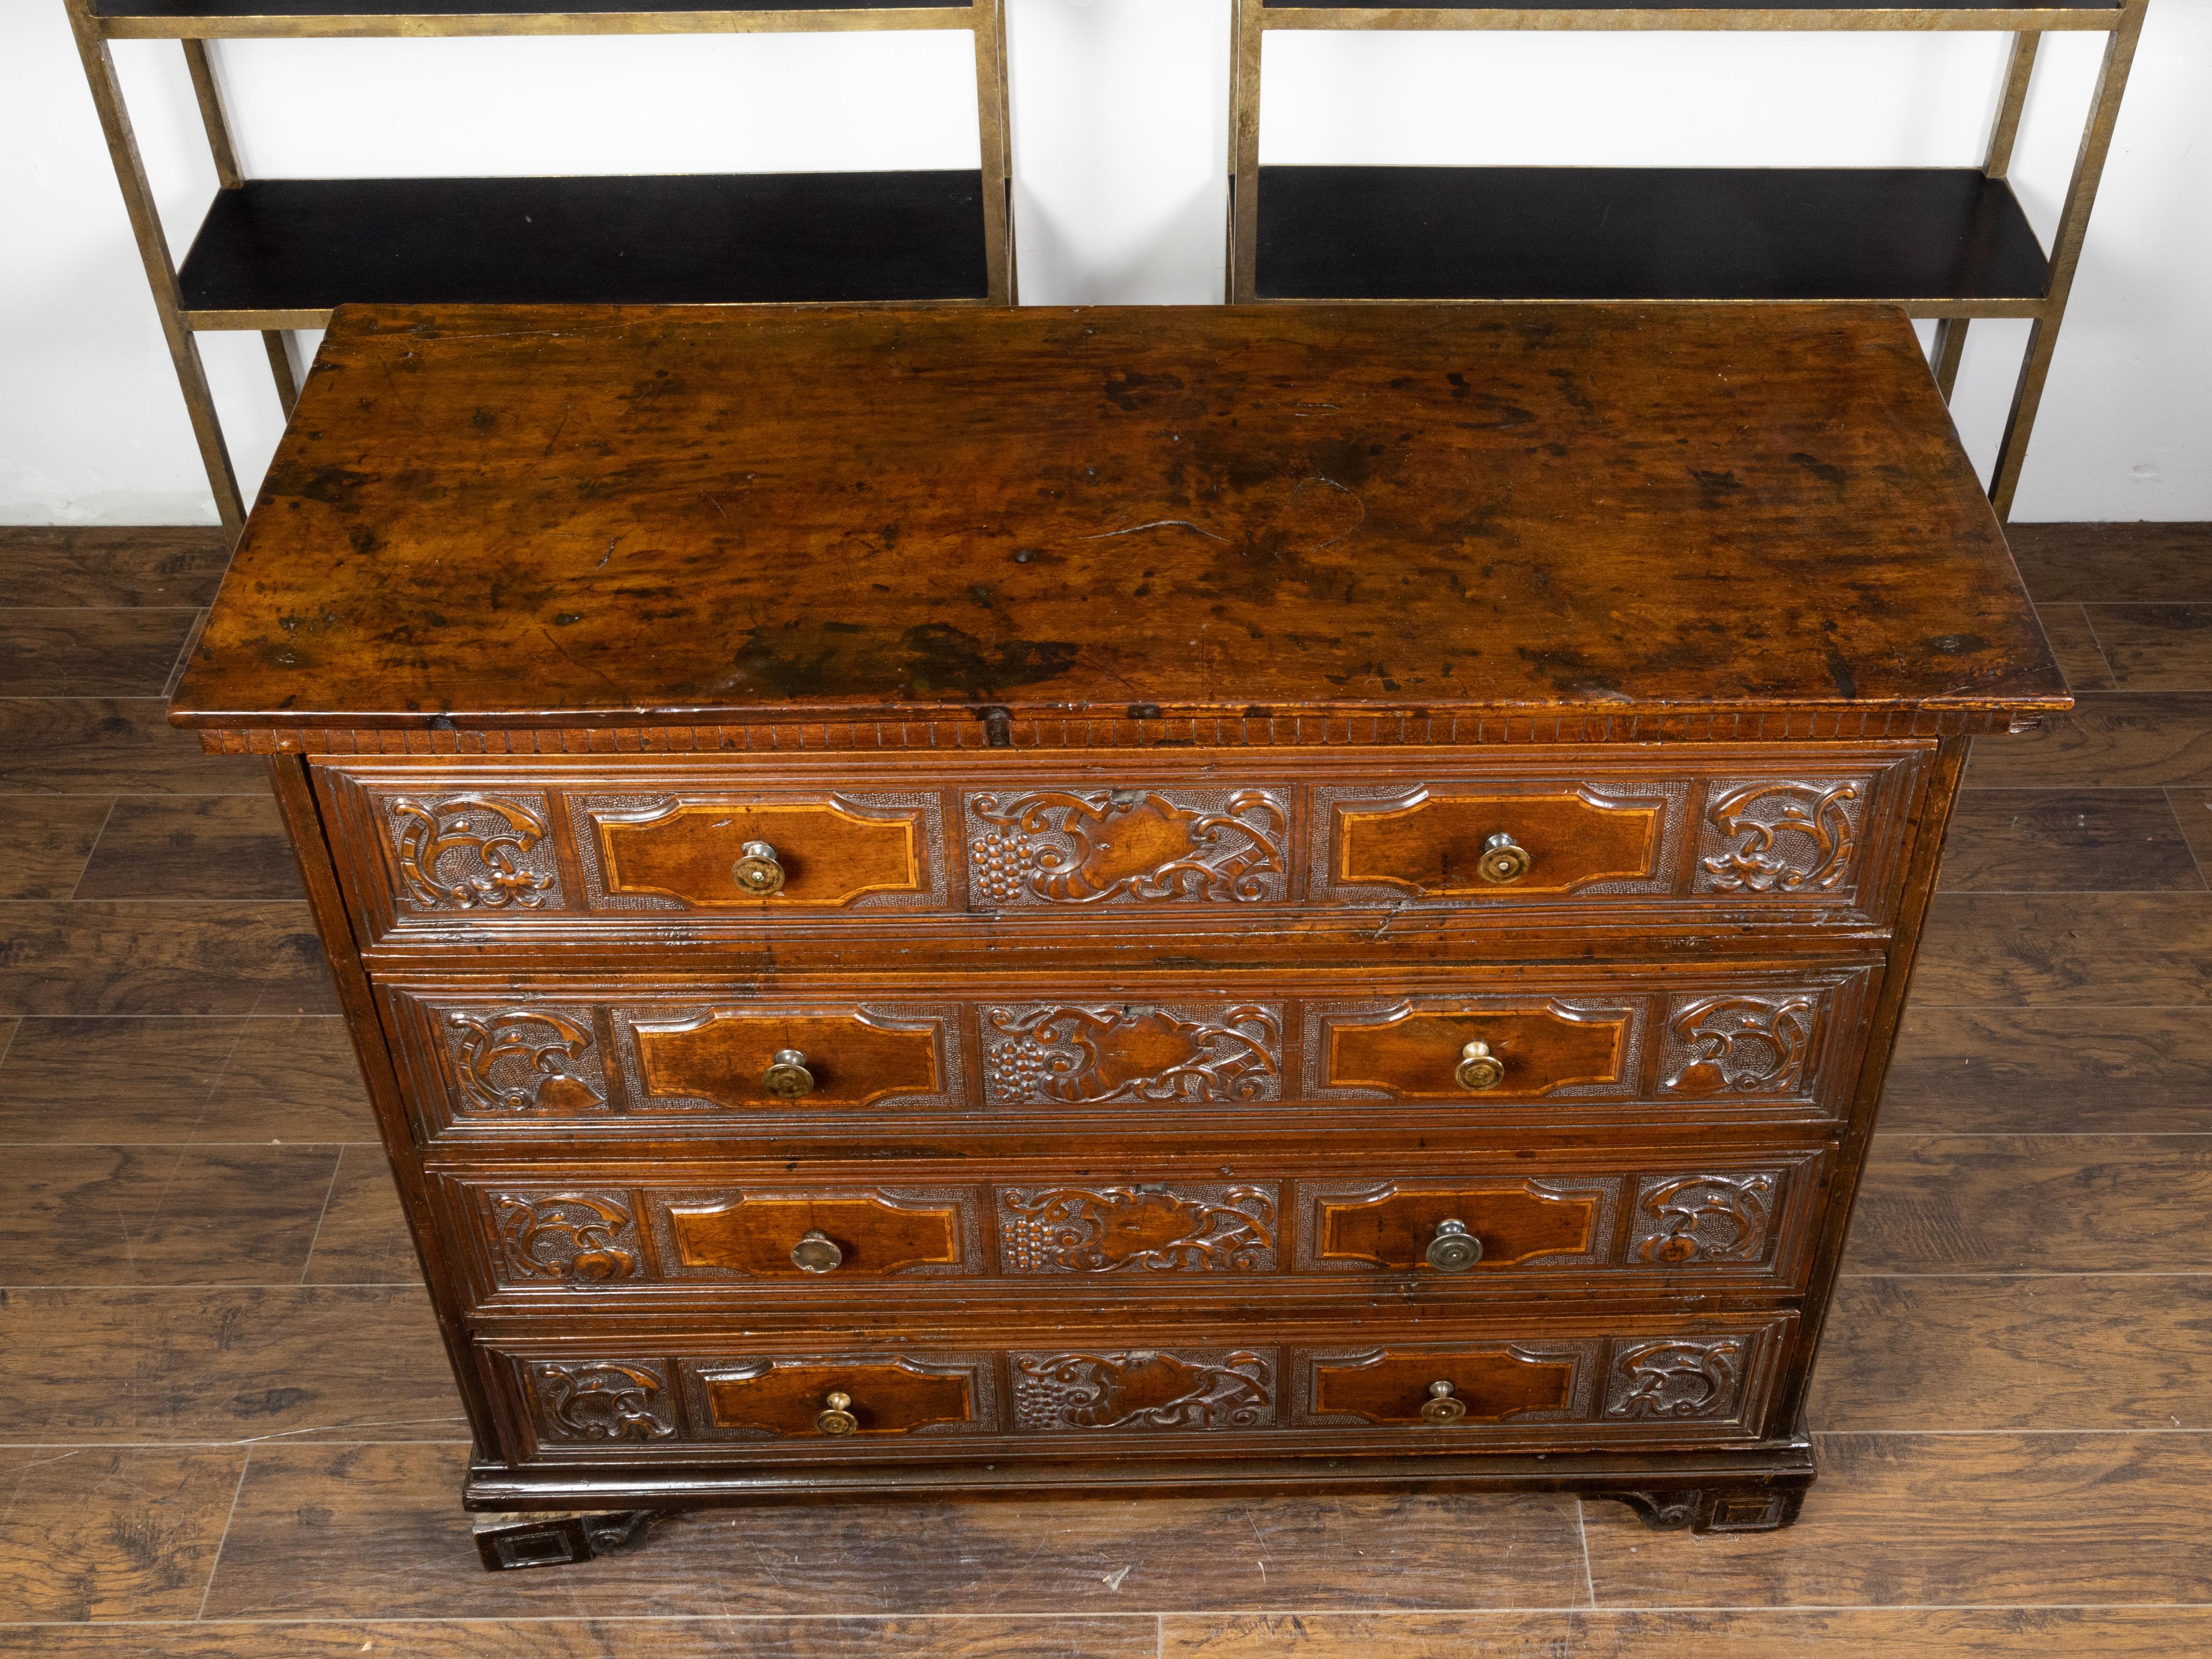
(273, 255)
(1948, 243)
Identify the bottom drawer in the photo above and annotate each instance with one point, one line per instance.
(1562, 1383)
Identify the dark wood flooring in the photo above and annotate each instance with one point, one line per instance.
(226, 1427)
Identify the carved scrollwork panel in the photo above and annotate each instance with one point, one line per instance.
(1074, 847)
(1134, 1390)
(472, 852)
(570, 1237)
(603, 1400)
(513, 1062)
(1184, 1228)
(1707, 1219)
(1781, 836)
(1740, 1044)
(1677, 1378)
(1068, 1054)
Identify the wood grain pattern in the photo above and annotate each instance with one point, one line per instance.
(2079, 1204)
(2106, 1069)
(2074, 643)
(226, 847)
(1852, 1633)
(156, 566)
(100, 745)
(103, 1533)
(1998, 1520)
(318, 1530)
(215, 1363)
(2006, 1352)
(1141, 464)
(161, 957)
(1985, 950)
(363, 1238)
(1434, 847)
(2154, 647)
(74, 652)
(2192, 809)
(2068, 841)
(979, 1637)
(126, 1215)
(2106, 741)
(190, 1078)
(44, 844)
(2139, 563)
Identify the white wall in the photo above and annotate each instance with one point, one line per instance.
(1120, 113)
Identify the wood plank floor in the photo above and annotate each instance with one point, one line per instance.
(2014, 1408)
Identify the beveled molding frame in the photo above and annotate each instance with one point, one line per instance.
(195, 27)
(2122, 22)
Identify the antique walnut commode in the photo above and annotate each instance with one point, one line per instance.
(1122, 901)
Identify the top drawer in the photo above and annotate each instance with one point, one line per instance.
(660, 848)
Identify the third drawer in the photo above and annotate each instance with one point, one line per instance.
(1627, 1223)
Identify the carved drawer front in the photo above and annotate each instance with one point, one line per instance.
(489, 849)
(1818, 835)
(1426, 1049)
(830, 1399)
(1708, 1380)
(816, 1060)
(618, 1236)
(1754, 1219)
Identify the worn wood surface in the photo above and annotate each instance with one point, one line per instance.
(694, 515)
(1919, 1359)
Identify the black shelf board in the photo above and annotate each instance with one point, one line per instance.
(686, 239)
(1421, 233)
(191, 10)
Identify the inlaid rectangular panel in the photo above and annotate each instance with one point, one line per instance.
(858, 1397)
(816, 1058)
(805, 1233)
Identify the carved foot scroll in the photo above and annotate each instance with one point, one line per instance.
(1716, 1509)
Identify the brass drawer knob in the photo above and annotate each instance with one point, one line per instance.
(1478, 1068)
(816, 1253)
(1440, 1406)
(756, 870)
(1454, 1249)
(1502, 860)
(839, 1418)
(786, 1075)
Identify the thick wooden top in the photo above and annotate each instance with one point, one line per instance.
(514, 518)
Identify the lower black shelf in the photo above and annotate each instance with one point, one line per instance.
(1418, 233)
(687, 239)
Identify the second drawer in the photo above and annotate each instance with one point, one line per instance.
(1616, 1220)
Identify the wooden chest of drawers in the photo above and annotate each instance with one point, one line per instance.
(1123, 901)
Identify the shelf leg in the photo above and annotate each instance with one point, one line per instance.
(229, 174)
(1244, 154)
(1950, 347)
(160, 270)
(995, 123)
(2066, 253)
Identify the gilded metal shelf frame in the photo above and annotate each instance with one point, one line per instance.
(2121, 22)
(95, 28)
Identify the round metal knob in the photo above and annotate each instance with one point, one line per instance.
(1454, 1249)
(1478, 1068)
(816, 1253)
(838, 1419)
(786, 1075)
(1502, 860)
(756, 870)
(1440, 1406)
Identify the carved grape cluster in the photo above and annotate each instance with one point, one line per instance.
(1018, 1069)
(1002, 862)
